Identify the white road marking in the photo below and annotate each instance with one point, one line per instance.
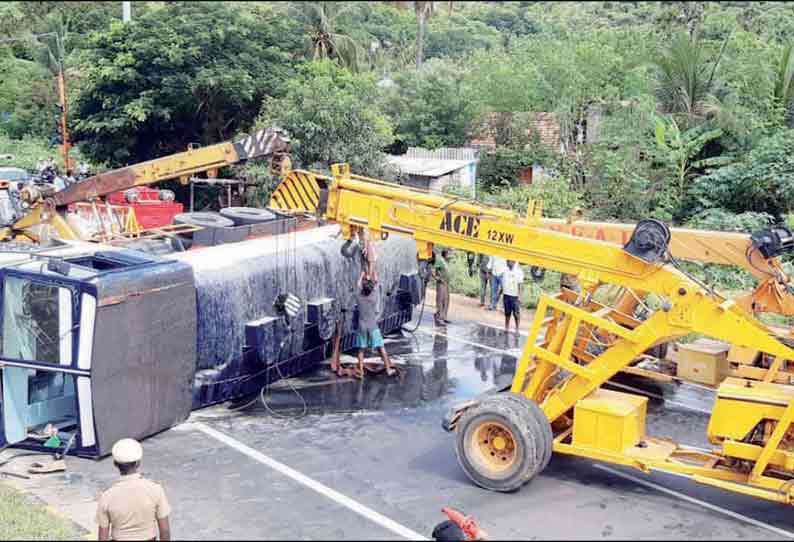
(708, 506)
(455, 338)
(314, 485)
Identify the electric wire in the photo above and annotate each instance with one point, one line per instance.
(419, 319)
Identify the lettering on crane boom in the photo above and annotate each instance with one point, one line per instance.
(470, 227)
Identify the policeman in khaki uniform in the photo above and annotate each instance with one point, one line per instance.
(134, 508)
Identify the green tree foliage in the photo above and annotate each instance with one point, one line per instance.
(176, 76)
(748, 109)
(456, 35)
(762, 181)
(507, 83)
(555, 192)
(27, 98)
(680, 148)
(322, 23)
(509, 18)
(784, 84)
(722, 220)
(432, 107)
(331, 117)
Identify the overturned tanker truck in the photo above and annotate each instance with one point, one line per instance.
(105, 342)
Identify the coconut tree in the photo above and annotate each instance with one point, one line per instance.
(685, 82)
(322, 23)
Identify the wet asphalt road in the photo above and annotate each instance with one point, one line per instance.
(380, 443)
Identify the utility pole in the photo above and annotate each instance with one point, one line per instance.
(126, 12)
(66, 146)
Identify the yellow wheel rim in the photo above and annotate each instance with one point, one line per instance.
(492, 448)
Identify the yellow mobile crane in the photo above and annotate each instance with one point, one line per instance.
(775, 290)
(556, 402)
(32, 206)
(757, 253)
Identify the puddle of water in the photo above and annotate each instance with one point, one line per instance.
(432, 368)
(451, 363)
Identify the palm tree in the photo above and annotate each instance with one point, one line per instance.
(685, 80)
(321, 22)
(784, 86)
(423, 11)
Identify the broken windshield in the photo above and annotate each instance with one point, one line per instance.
(36, 321)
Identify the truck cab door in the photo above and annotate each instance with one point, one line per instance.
(38, 331)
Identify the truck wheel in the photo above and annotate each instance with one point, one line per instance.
(208, 220)
(543, 426)
(499, 444)
(247, 215)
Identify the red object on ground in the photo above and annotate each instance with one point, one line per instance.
(150, 210)
(467, 524)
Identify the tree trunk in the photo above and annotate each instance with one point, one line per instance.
(421, 18)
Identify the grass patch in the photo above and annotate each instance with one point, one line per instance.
(26, 152)
(21, 518)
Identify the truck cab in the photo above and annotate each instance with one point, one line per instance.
(63, 308)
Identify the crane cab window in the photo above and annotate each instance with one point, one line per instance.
(37, 321)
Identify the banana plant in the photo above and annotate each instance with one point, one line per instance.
(679, 148)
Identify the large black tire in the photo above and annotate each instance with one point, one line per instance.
(207, 220)
(242, 216)
(500, 445)
(152, 246)
(543, 428)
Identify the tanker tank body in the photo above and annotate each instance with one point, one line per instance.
(106, 343)
(242, 343)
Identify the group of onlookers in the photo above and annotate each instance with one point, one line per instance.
(504, 277)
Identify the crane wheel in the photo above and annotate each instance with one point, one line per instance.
(501, 444)
(543, 426)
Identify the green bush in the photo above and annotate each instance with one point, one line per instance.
(459, 280)
(762, 181)
(722, 220)
(555, 192)
(502, 167)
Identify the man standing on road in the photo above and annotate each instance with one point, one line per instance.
(441, 274)
(512, 279)
(483, 262)
(498, 267)
(134, 508)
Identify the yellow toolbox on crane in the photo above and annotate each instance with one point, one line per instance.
(609, 420)
(704, 361)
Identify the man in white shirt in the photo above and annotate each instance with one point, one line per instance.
(512, 279)
(497, 267)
